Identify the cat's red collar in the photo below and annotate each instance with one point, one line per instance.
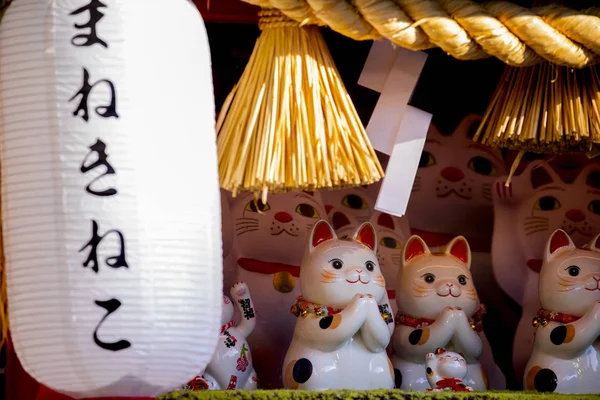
(227, 326)
(544, 316)
(268, 268)
(476, 321)
(303, 307)
(437, 239)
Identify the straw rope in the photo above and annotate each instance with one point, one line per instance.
(464, 29)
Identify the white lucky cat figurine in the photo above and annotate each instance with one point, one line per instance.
(269, 243)
(344, 324)
(231, 365)
(446, 371)
(566, 351)
(438, 306)
(527, 211)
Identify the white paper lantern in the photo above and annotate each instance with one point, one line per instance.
(110, 197)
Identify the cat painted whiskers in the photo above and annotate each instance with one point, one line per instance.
(438, 307)
(566, 352)
(344, 324)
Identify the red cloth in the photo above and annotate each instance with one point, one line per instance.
(21, 386)
(454, 384)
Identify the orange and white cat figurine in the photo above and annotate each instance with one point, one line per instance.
(269, 243)
(438, 307)
(566, 353)
(343, 320)
(536, 203)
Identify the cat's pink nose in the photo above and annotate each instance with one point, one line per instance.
(359, 270)
(452, 174)
(575, 215)
(282, 216)
(449, 284)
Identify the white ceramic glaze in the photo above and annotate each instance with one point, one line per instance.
(345, 350)
(566, 355)
(231, 366)
(527, 211)
(446, 371)
(268, 244)
(439, 288)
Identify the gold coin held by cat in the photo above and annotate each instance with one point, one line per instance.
(284, 282)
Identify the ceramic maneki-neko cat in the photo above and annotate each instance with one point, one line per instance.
(392, 232)
(535, 204)
(438, 307)
(566, 353)
(231, 365)
(269, 242)
(344, 323)
(452, 192)
(446, 371)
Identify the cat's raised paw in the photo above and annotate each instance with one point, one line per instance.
(239, 290)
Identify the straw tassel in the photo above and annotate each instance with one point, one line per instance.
(289, 124)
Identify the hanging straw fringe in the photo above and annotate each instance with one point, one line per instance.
(544, 109)
(4, 4)
(464, 29)
(290, 124)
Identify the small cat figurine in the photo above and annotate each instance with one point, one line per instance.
(566, 352)
(344, 324)
(446, 371)
(231, 365)
(438, 307)
(527, 211)
(269, 243)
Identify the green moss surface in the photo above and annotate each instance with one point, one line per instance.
(361, 395)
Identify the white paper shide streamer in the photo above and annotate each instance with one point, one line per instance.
(110, 197)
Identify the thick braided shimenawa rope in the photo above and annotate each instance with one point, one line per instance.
(462, 28)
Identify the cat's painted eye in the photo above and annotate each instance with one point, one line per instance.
(390, 243)
(257, 206)
(429, 278)
(573, 270)
(306, 210)
(462, 280)
(370, 265)
(482, 166)
(337, 263)
(427, 159)
(594, 207)
(355, 202)
(547, 203)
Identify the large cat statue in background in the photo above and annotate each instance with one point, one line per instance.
(566, 352)
(527, 211)
(355, 203)
(269, 242)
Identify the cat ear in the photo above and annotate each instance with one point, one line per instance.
(541, 176)
(366, 235)
(439, 351)
(386, 221)
(591, 175)
(339, 220)
(595, 243)
(558, 240)
(321, 232)
(459, 248)
(415, 246)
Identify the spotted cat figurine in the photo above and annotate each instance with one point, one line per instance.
(344, 324)
(438, 306)
(231, 365)
(446, 371)
(566, 350)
